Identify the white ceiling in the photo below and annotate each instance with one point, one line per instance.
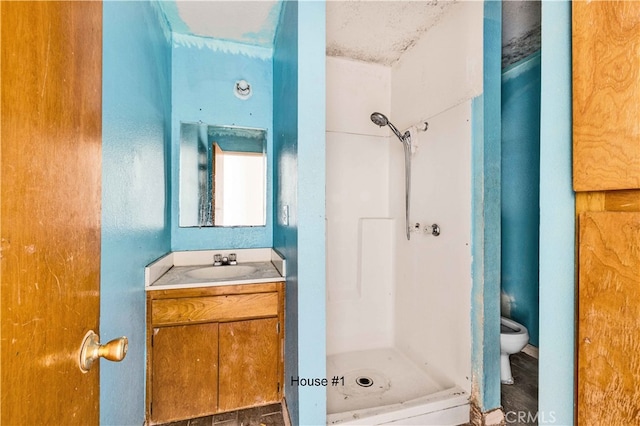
(245, 21)
(368, 30)
(377, 31)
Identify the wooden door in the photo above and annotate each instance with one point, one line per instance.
(249, 363)
(606, 176)
(50, 194)
(609, 319)
(184, 380)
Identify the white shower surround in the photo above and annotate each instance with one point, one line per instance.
(382, 290)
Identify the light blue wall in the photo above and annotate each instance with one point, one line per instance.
(135, 229)
(299, 120)
(485, 294)
(204, 73)
(521, 192)
(557, 223)
(285, 237)
(311, 208)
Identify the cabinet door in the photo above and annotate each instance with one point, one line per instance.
(606, 90)
(609, 318)
(185, 372)
(249, 363)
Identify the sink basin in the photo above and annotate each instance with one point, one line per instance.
(219, 272)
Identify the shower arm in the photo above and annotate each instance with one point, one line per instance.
(397, 133)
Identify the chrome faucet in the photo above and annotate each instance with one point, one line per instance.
(219, 260)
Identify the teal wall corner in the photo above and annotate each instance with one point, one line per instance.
(299, 121)
(485, 294)
(520, 193)
(135, 229)
(557, 220)
(285, 178)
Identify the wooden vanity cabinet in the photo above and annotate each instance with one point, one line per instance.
(213, 349)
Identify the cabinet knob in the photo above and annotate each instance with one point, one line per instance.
(91, 350)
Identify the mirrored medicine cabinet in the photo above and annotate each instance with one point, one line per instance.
(223, 175)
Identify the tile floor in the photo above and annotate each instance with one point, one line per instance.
(267, 415)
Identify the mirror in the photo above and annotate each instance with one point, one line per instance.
(223, 175)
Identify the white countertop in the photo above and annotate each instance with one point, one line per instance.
(172, 271)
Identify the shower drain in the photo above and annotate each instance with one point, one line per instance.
(365, 382)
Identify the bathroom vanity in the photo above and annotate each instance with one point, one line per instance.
(215, 337)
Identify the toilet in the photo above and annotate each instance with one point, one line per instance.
(513, 338)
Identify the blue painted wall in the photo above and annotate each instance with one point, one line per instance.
(485, 293)
(557, 223)
(311, 208)
(299, 121)
(520, 182)
(285, 236)
(204, 73)
(135, 229)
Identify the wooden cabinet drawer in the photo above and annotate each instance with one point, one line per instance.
(214, 308)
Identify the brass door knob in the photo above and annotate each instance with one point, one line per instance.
(91, 350)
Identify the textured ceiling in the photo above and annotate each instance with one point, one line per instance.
(521, 30)
(378, 31)
(367, 30)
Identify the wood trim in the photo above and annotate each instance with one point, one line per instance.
(613, 201)
(589, 202)
(1, 233)
(622, 201)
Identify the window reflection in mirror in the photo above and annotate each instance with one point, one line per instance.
(222, 175)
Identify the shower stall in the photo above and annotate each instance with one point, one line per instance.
(398, 308)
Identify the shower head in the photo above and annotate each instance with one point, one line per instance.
(381, 120)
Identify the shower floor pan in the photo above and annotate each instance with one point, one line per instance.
(383, 387)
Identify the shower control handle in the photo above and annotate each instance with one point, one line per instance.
(430, 229)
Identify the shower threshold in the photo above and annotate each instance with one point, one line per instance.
(382, 386)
